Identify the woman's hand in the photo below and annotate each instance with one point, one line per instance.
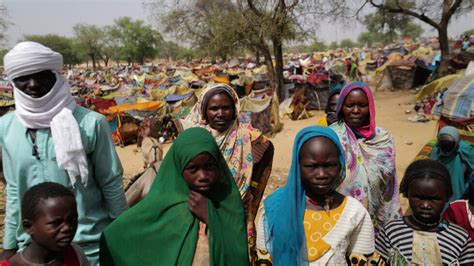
(197, 204)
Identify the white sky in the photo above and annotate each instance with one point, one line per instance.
(59, 16)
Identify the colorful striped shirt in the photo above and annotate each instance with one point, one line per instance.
(454, 243)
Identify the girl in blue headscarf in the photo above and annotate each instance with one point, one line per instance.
(307, 222)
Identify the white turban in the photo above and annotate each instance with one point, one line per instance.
(53, 110)
(27, 58)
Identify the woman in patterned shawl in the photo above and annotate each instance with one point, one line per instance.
(247, 152)
(370, 155)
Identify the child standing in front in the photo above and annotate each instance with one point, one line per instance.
(49, 216)
(422, 238)
(307, 222)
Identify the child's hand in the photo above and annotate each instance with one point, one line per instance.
(197, 204)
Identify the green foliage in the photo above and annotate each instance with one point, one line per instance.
(138, 41)
(318, 46)
(315, 46)
(385, 27)
(334, 45)
(4, 23)
(60, 44)
(210, 26)
(411, 30)
(469, 32)
(3, 52)
(347, 43)
(89, 41)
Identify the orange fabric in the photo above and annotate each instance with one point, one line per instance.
(317, 224)
(145, 106)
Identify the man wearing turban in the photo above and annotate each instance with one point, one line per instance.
(49, 138)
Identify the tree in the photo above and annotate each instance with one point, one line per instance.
(138, 41)
(411, 30)
(225, 28)
(334, 45)
(318, 46)
(469, 32)
(368, 38)
(275, 21)
(347, 43)
(434, 13)
(90, 41)
(3, 52)
(4, 23)
(60, 44)
(110, 47)
(385, 27)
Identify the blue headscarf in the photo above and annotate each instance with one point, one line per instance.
(459, 161)
(284, 209)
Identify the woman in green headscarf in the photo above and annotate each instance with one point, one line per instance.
(164, 228)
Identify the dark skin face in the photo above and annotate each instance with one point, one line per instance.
(331, 116)
(333, 102)
(320, 168)
(426, 198)
(355, 109)
(201, 175)
(220, 112)
(36, 85)
(446, 143)
(51, 231)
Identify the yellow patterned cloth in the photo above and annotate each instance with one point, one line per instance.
(316, 225)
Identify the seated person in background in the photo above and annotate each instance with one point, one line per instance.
(307, 221)
(422, 238)
(330, 109)
(49, 214)
(193, 214)
(247, 152)
(461, 212)
(457, 156)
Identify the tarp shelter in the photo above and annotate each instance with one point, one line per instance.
(438, 84)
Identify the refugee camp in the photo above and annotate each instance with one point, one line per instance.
(231, 132)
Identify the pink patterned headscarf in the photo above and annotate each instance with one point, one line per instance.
(368, 131)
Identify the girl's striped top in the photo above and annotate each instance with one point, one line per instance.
(454, 242)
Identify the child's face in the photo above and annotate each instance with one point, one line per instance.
(320, 166)
(201, 173)
(427, 198)
(55, 224)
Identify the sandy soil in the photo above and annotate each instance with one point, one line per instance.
(390, 114)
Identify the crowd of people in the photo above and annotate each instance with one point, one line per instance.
(340, 205)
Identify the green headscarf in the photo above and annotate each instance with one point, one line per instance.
(160, 230)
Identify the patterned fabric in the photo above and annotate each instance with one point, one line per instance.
(459, 98)
(370, 173)
(285, 207)
(314, 232)
(364, 131)
(235, 143)
(351, 237)
(395, 244)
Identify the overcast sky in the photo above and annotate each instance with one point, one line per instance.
(59, 16)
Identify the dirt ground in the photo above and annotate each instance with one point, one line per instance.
(391, 106)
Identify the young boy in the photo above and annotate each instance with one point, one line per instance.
(49, 217)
